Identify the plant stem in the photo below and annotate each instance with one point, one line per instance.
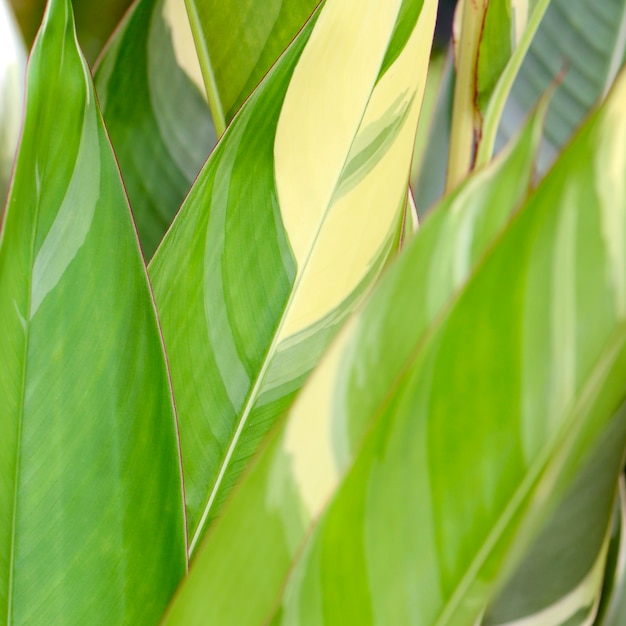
(215, 104)
(462, 130)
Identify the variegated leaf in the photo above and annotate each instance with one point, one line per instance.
(263, 529)
(289, 223)
(489, 418)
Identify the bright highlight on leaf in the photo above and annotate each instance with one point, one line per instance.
(91, 504)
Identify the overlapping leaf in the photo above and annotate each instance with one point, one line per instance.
(91, 506)
(292, 218)
(238, 41)
(12, 66)
(561, 576)
(158, 121)
(584, 41)
(261, 533)
(487, 421)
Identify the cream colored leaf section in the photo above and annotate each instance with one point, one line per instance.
(308, 439)
(337, 237)
(175, 16)
(323, 108)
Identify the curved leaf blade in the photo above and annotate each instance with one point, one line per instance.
(260, 533)
(158, 121)
(490, 418)
(289, 223)
(237, 44)
(91, 506)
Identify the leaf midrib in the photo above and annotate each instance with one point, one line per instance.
(268, 358)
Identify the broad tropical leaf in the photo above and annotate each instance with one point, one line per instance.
(489, 419)
(560, 578)
(158, 121)
(91, 505)
(584, 41)
(238, 41)
(289, 223)
(12, 66)
(278, 503)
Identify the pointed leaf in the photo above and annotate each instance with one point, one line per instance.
(291, 220)
(261, 531)
(91, 512)
(585, 42)
(12, 67)
(159, 124)
(238, 41)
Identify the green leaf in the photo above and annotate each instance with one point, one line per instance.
(91, 506)
(560, 578)
(489, 419)
(583, 40)
(238, 41)
(289, 223)
(158, 122)
(259, 534)
(12, 67)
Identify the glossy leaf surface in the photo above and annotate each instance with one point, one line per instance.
(262, 530)
(291, 220)
(12, 67)
(158, 121)
(584, 42)
(238, 41)
(91, 506)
